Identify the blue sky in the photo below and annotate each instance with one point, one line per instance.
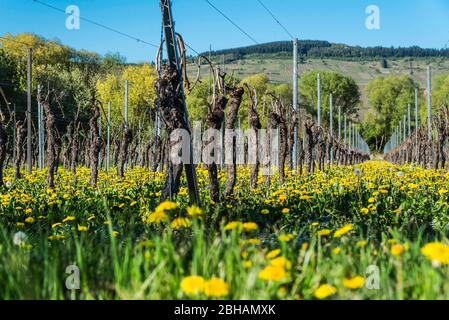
(403, 23)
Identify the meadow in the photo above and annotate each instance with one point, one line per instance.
(370, 231)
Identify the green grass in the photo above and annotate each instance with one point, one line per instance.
(149, 261)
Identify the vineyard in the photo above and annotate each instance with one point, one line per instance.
(265, 193)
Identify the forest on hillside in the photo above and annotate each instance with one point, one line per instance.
(326, 49)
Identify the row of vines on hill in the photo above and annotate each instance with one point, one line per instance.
(420, 148)
(83, 143)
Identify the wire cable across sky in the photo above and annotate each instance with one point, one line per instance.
(98, 24)
(231, 21)
(276, 19)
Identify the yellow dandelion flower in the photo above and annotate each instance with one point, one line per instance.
(342, 231)
(286, 237)
(336, 250)
(253, 241)
(324, 291)
(324, 232)
(193, 285)
(281, 262)
(273, 273)
(68, 218)
(273, 253)
(29, 220)
(250, 226)
(194, 211)
(233, 225)
(157, 217)
(216, 287)
(166, 206)
(436, 252)
(282, 198)
(397, 250)
(180, 223)
(354, 283)
(82, 228)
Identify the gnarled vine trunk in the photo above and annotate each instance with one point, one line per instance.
(236, 97)
(95, 145)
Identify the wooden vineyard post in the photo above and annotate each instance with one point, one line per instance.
(14, 134)
(318, 79)
(108, 138)
(409, 116)
(429, 103)
(125, 110)
(331, 124)
(295, 101)
(405, 128)
(28, 117)
(349, 137)
(39, 130)
(339, 123)
(173, 62)
(416, 116)
(429, 115)
(101, 141)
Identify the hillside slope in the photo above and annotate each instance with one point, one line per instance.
(278, 66)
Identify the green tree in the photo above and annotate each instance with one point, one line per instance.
(260, 82)
(141, 93)
(389, 98)
(345, 93)
(113, 62)
(198, 100)
(8, 78)
(440, 94)
(48, 56)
